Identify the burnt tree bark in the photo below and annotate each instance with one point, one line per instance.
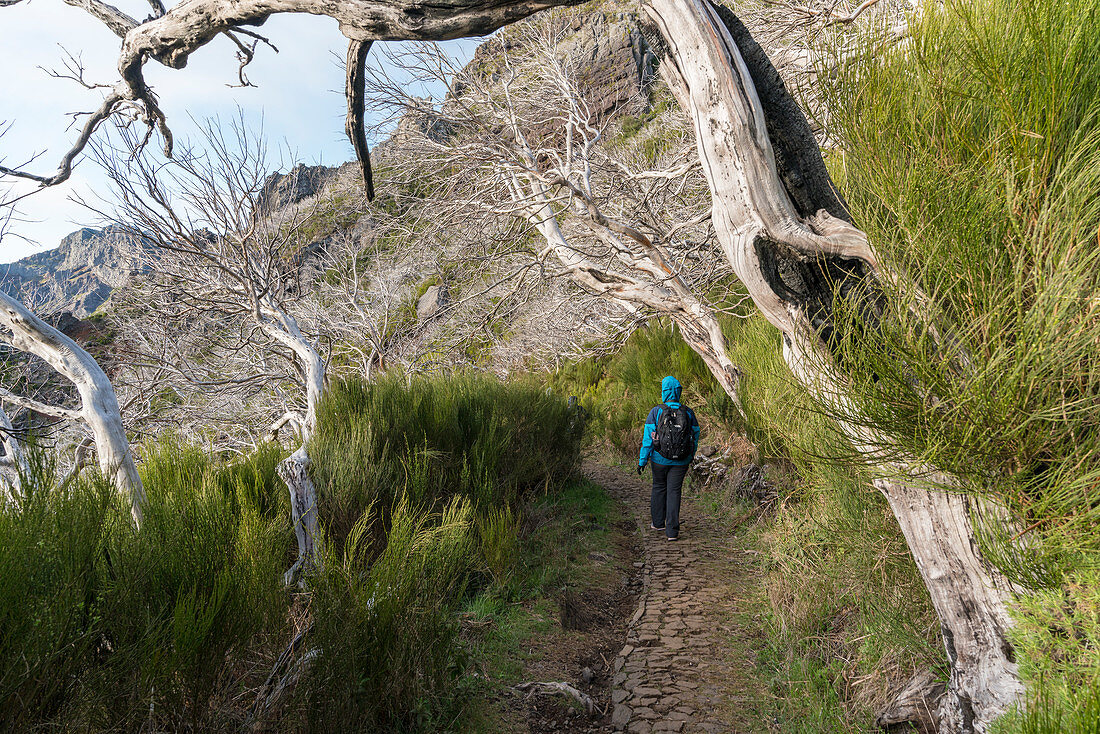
(787, 235)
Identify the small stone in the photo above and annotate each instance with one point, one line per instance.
(620, 716)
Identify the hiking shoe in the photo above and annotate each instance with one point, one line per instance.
(672, 539)
(654, 527)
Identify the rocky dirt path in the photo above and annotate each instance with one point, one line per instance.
(688, 662)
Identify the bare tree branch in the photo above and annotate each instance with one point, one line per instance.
(119, 22)
(355, 93)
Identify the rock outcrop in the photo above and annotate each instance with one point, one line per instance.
(615, 59)
(432, 302)
(300, 182)
(78, 276)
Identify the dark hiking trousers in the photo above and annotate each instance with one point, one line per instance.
(664, 502)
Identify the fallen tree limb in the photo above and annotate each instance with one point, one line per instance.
(563, 689)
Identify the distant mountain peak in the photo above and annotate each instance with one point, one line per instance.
(78, 275)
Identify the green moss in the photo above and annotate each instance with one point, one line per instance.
(631, 125)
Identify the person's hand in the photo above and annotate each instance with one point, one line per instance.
(641, 468)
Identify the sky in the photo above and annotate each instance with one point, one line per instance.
(298, 101)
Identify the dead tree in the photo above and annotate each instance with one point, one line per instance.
(523, 141)
(98, 411)
(226, 273)
(789, 238)
(170, 35)
(14, 462)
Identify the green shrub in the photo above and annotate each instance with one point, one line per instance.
(498, 542)
(106, 627)
(52, 543)
(173, 627)
(1055, 638)
(386, 625)
(433, 440)
(1078, 713)
(972, 161)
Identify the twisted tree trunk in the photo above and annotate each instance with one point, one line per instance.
(98, 404)
(786, 234)
(294, 470)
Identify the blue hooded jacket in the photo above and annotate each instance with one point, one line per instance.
(670, 396)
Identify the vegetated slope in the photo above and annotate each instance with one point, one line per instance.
(177, 626)
(436, 302)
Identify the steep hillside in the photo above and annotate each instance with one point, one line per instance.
(78, 276)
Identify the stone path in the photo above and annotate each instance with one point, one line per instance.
(685, 666)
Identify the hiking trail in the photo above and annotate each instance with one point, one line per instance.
(688, 663)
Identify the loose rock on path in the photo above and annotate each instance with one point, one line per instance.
(688, 662)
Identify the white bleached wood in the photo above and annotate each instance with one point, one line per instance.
(99, 406)
(753, 210)
(970, 601)
(294, 470)
(15, 459)
(664, 292)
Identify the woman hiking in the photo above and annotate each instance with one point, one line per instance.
(670, 438)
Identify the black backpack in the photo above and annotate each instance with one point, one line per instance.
(674, 433)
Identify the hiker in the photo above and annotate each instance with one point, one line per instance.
(670, 439)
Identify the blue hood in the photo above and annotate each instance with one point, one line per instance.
(670, 390)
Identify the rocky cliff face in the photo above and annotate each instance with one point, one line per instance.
(300, 182)
(616, 60)
(78, 276)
